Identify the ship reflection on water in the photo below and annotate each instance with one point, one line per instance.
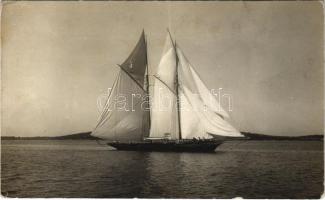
(251, 169)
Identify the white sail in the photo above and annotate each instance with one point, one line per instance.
(164, 116)
(125, 117)
(198, 106)
(191, 124)
(208, 99)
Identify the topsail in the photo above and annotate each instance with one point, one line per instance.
(135, 65)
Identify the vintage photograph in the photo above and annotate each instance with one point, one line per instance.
(162, 99)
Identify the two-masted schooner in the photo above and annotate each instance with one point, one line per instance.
(172, 110)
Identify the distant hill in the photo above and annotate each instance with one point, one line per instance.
(76, 136)
(255, 136)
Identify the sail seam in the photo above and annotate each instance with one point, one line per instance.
(138, 84)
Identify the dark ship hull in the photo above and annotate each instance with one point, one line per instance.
(168, 146)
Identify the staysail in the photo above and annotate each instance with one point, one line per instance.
(125, 117)
(164, 116)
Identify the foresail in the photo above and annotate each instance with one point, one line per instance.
(126, 113)
(164, 117)
(199, 107)
(124, 116)
(135, 64)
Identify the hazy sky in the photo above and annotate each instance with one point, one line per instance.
(58, 57)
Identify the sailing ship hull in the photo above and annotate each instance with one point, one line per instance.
(190, 146)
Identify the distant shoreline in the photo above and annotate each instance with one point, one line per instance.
(76, 136)
(256, 136)
(249, 136)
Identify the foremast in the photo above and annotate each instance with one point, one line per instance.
(147, 82)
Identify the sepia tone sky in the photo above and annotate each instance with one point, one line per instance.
(58, 57)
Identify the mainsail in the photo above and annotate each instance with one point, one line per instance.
(200, 114)
(125, 116)
(164, 116)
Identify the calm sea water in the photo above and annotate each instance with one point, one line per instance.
(250, 169)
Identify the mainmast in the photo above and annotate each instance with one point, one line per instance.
(177, 86)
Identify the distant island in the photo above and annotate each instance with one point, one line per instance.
(88, 136)
(76, 136)
(255, 136)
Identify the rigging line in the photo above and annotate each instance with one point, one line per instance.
(164, 84)
(105, 110)
(102, 114)
(109, 96)
(131, 77)
(105, 119)
(106, 107)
